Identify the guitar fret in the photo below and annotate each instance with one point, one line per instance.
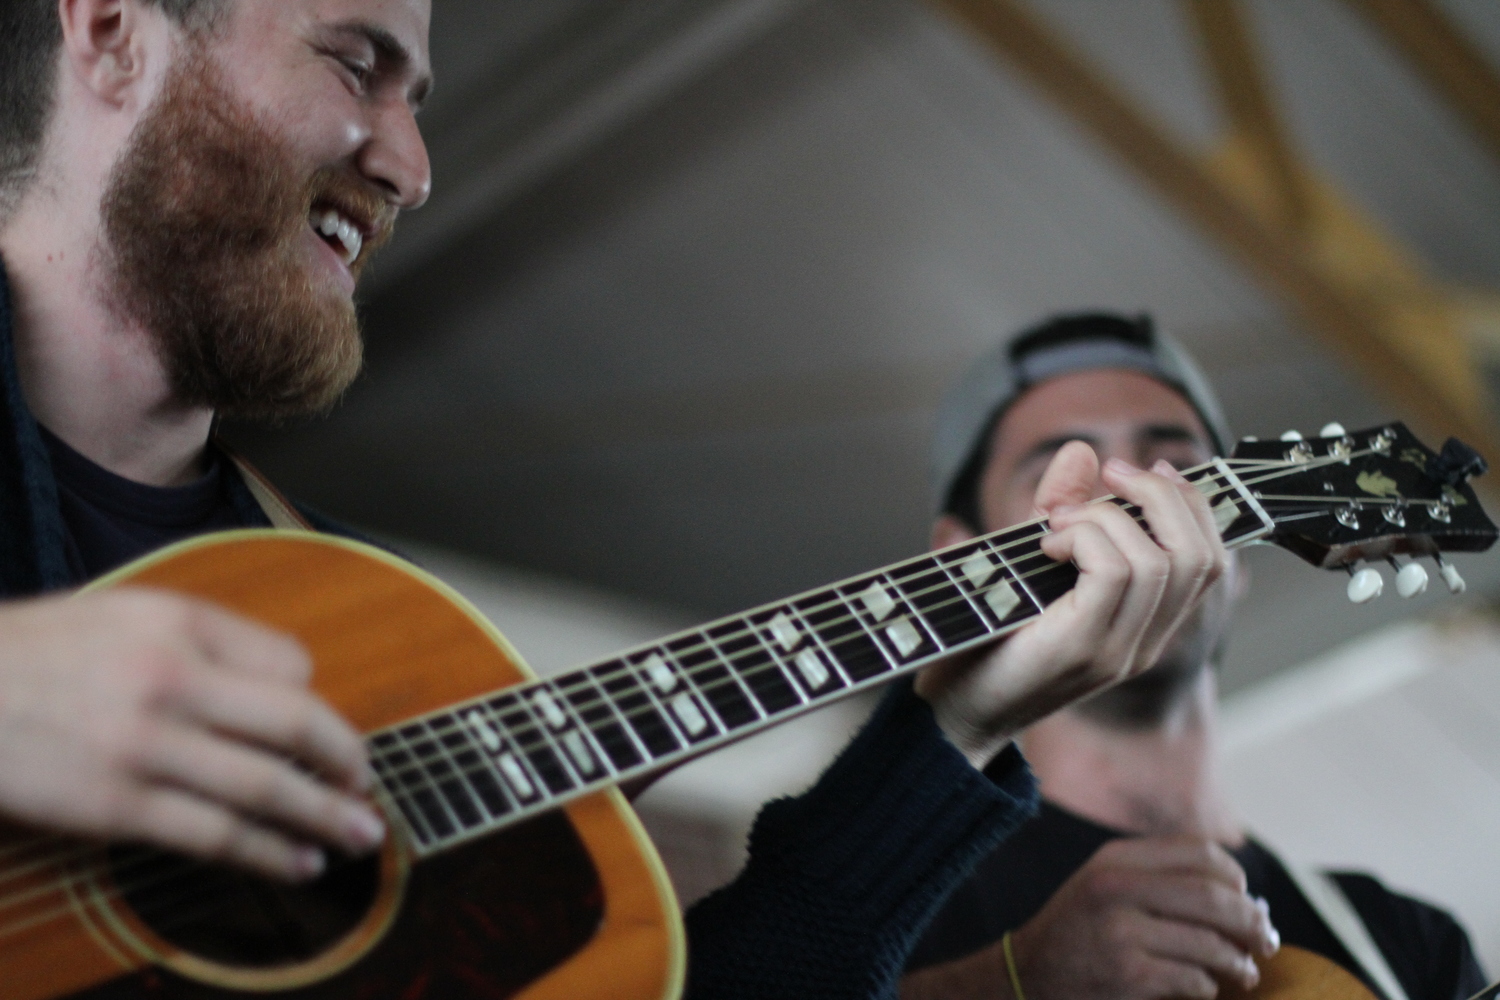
(842, 632)
(388, 760)
(938, 600)
(452, 783)
(476, 769)
(529, 735)
(820, 652)
(600, 720)
(685, 704)
(646, 716)
(504, 754)
(558, 729)
(761, 672)
(441, 817)
(701, 662)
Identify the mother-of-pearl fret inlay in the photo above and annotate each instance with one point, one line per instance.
(484, 730)
(785, 631)
(811, 668)
(687, 713)
(1002, 599)
(660, 674)
(878, 601)
(516, 775)
(577, 749)
(550, 710)
(904, 636)
(978, 569)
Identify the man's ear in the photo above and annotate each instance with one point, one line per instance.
(948, 530)
(104, 45)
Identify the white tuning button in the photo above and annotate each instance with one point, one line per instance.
(1333, 430)
(1292, 436)
(1411, 580)
(1366, 585)
(1449, 573)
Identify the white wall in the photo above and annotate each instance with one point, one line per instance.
(1384, 755)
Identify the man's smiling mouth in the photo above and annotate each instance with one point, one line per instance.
(339, 232)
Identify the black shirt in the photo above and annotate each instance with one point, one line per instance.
(111, 520)
(1426, 949)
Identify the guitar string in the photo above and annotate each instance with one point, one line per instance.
(9, 903)
(580, 678)
(707, 687)
(40, 890)
(1311, 499)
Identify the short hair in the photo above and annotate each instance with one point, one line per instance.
(30, 37)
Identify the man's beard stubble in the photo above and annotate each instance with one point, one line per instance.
(204, 219)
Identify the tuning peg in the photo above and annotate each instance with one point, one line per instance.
(1333, 430)
(1411, 579)
(1449, 573)
(1292, 436)
(1365, 585)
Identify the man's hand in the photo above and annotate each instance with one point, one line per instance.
(1132, 594)
(1144, 919)
(141, 715)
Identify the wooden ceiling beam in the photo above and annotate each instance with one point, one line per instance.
(1445, 58)
(1245, 95)
(1285, 265)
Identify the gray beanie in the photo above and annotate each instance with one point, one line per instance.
(1059, 346)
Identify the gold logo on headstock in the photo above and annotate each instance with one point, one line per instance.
(1378, 485)
(1414, 457)
(1453, 498)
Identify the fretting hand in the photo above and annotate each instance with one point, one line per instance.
(136, 714)
(1132, 594)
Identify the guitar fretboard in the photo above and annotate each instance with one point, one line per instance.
(475, 767)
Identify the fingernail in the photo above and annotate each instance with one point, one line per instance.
(365, 828)
(310, 862)
(1273, 940)
(1263, 905)
(1167, 470)
(1120, 467)
(1250, 971)
(1064, 509)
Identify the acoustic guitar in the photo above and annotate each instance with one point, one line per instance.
(514, 867)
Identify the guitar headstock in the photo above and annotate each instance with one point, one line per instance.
(1341, 498)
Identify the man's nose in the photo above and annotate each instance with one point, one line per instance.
(395, 157)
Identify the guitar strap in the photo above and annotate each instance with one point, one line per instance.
(1325, 896)
(277, 508)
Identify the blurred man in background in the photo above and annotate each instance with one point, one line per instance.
(1136, 881)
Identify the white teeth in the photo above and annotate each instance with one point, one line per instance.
(330, 223)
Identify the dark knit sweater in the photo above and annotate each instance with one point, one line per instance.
(840, 881)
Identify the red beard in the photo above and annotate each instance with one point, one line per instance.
(204, 218)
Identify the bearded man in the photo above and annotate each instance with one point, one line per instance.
(1137, 880)
(189, 190)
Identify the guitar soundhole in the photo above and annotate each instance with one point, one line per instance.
(235, 919)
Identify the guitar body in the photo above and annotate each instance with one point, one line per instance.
(1297, 974)
(571, 904)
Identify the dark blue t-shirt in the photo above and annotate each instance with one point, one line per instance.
(112, 520)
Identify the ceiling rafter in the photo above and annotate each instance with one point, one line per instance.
(1451, 64)
(1335, 274)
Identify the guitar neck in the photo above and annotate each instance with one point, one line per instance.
(484, 764)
